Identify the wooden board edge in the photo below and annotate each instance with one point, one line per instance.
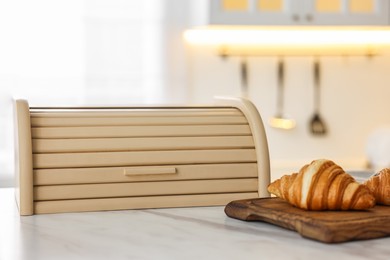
(338, 234)
(240, 209)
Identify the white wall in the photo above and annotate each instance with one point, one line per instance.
(355, 101)
(41, 48)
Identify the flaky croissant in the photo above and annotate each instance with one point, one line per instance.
(379, 185)
(322, 185)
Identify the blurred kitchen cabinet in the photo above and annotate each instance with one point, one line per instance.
(346, 12)
(299, 12)
(252, 12)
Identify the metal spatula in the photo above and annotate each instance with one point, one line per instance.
(244, 78)
(317, 124)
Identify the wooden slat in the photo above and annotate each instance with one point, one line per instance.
(37, 109)
(139, 131)
(60, 206)
(128, 121)
(116, 174)
(106, 159)
(140, 144)
(137, 113)
(136, 189)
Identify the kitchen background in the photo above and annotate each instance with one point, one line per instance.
(116, 52)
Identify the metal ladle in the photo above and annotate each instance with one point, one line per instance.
(280, 120)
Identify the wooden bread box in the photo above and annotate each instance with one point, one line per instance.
(75, 159)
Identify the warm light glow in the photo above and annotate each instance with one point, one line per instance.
(290, 36)
(282, 123)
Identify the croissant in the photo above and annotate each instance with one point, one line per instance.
(379, 185)
(322, 185)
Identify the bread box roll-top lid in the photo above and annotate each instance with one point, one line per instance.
(75, 159)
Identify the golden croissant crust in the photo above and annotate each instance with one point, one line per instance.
(379, 185)
(322, 185)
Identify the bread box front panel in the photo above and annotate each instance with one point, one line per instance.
(89, 159)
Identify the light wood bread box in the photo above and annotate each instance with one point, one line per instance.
(73, 159)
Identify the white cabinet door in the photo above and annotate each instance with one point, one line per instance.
(345, 12)
(299, 12)
(254, 12)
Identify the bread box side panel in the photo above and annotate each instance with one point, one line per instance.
(23, 160)
(259, 137)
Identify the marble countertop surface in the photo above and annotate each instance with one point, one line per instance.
(180, 233)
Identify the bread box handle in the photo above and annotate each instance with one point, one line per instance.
(149, 171)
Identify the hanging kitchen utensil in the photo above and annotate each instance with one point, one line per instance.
(317, 124)
(244, 78)
(280, 120)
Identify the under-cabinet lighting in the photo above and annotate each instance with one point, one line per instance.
(289, 36)
(282, 123)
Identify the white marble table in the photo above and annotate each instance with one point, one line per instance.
(183, 233)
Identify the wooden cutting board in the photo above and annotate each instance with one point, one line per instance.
(324, 226)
